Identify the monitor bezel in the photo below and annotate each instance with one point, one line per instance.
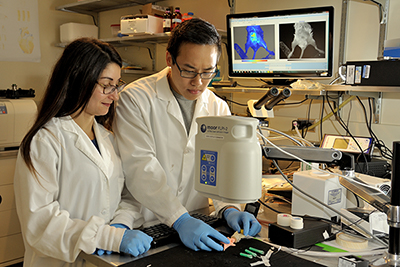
(282, 75)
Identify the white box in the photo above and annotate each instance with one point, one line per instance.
(324, 187)
(71, 31)
(140, 24)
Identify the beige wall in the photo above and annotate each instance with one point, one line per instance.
(361, 44)
(34, 75)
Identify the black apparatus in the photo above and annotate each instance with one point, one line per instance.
(272, 97)
(393, 256)
(16, 93)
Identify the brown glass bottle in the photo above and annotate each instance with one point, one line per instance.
(167, 21)
(176, 17)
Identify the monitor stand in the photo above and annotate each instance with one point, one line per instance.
(282, 82)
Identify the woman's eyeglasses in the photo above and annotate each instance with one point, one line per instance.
(109, 89)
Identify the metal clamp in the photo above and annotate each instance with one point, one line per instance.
(394, 216)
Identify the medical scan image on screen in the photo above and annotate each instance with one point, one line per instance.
(294, 43)
(260, 39)
(302, 40)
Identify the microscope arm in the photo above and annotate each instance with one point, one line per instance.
(309, 154)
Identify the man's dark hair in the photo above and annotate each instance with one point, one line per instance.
(195, 31)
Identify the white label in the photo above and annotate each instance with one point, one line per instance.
(366, 71)
(214, 136)
(350, 74)
(167, 23)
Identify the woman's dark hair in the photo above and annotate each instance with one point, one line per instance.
(196, 31)
(71, 85)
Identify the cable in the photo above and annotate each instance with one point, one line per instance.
(293, 103)
(308, 119)
(231, 101)
(281, 133)
(322, 116)
(151, 56)
(313, 198)
(300, 159)
(385, 151)
(341, 122)
(265, 205)
(330, 114)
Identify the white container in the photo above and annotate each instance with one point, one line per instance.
(141, 24)
(71, 31)
(228, 159)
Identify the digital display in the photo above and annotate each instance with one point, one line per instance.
(293, 43)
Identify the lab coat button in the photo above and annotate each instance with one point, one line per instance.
(180, 189)
(186, 150)
(104, 212)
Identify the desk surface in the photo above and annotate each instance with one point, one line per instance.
(265, 217)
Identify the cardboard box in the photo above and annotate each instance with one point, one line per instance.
(140, 24)
(155, 10)
(71, 31)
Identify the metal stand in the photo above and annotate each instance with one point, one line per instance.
(392, 258)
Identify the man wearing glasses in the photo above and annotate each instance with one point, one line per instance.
(155, 129)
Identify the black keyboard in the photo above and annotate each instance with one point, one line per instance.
(162, 234)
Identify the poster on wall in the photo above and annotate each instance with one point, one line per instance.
(19, 30)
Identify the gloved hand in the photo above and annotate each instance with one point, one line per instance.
(238, 220)
(100, 251)
(135, 242)
(196, 234)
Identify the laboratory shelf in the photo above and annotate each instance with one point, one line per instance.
(327, 88)
(132, 40)
(92, 7)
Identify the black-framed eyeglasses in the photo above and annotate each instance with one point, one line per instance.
(109, 89)
(192, 74)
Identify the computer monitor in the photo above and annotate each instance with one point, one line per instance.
(281, 44)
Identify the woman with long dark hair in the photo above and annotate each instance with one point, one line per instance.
(69, 178)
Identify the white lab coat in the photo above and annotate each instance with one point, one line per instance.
(78, 194)
(156, 152)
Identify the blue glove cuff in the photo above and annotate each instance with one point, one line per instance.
(119, 225)
(228, 211)
(181, 219)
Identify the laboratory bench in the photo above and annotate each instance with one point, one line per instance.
(178, 255)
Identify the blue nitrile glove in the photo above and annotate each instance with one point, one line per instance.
(135, 242)
(100, 251)
(242, 220)
(196, 234)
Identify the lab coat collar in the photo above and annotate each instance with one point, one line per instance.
(84, 144)
(163, 89)
(164, 93)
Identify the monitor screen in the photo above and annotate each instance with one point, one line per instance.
(289, 44)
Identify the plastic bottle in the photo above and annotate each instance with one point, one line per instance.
(176, 17)
(167, 21)
(187, 16)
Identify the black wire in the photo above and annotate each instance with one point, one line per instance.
(341, 122)
(308, 119)
(151, 56)
(231, 101)
(348, 117)
(384, 150)
(274, 210)
(229, 3)
(293, 103)
(251, 86)
(322, 116)
(245, 105)
(94, 20)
